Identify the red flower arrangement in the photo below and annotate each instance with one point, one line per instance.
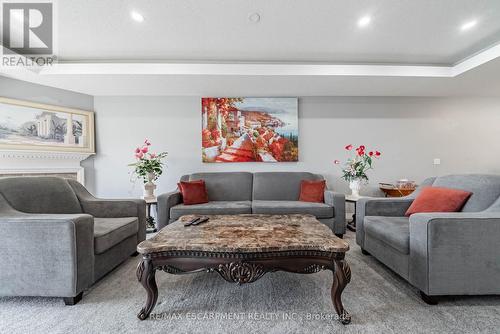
(356, 167)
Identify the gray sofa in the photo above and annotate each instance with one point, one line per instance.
(261, 193)
(439, 253)
(56, 239)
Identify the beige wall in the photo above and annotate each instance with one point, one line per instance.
(463, 132)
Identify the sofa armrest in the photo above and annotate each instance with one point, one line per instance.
(337, 201)
(455, 253)
(112, 208)
(165, 203)
(390, 207)
(46, 255)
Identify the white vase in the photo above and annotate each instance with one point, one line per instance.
(355, 185)
(149, 187)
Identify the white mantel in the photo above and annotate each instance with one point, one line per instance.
(36, 162)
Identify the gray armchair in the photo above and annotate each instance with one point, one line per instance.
(56, 239)
(439, 253)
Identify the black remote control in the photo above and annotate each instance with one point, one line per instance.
(200, 221)
(192, 221)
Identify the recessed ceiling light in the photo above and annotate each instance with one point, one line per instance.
(364, 21)
(136, 16)
(468, 25)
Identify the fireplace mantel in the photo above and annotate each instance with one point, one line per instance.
(42, 163)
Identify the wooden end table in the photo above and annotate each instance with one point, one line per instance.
(396, 192)
(242, 248)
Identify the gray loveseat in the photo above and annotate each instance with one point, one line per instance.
(260, 193)
(56, 239)
(439, 253)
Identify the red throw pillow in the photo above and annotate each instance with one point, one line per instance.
(436, 199)
(193, 192)
(312, 191)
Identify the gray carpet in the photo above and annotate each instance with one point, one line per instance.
(378, 300)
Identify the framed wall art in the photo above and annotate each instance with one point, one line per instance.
(249, 129)
(32, 126)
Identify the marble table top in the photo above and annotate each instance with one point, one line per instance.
(246, 234)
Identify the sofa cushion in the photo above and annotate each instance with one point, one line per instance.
(47, 194)
(226, 186)
(280, 186)
(211, 208)
(438, 199)
(485, 189)
(312, 191)
(393, 231)
(193, 192)
(109, 232)
(319, 210)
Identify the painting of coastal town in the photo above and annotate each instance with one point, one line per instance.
(249, 129)
(30, 126)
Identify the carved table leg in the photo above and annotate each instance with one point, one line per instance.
(146, 275)
(341, 276)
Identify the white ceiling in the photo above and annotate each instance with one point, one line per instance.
(210, 47)
(401, 32)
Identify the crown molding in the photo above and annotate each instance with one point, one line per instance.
(256, 69)
(119, 78)
(476, 60)
(244, 69)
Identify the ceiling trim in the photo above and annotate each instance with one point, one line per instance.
(254, 69)
(476, 60)
(245, 69)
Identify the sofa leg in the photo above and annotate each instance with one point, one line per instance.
(134, 254)
(73, 300)
(428, 299)
(339, 235)
(364, 252)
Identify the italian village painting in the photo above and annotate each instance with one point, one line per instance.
(32, 126)
(249, 129)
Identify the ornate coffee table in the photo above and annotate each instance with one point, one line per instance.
(242, 248)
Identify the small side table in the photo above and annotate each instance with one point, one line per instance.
(396, 192)
(353, 199)
(150, 221)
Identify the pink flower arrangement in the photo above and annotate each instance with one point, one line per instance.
(148, 162)
(141, 151)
